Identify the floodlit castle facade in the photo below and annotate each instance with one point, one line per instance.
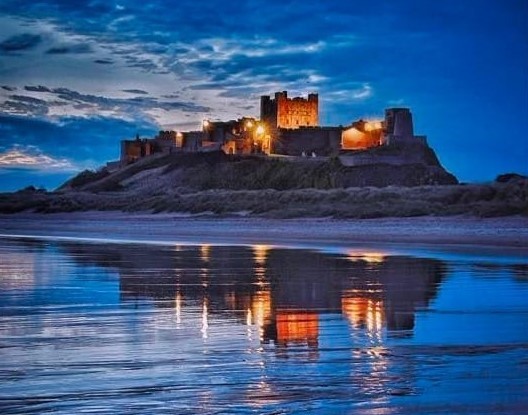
(284, 112)
(287, 127)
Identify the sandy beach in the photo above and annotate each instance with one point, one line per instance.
(507, 233)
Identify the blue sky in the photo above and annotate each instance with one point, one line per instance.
(77, 77)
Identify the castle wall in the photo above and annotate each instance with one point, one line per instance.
(242, 132)
(323, 141)
(192, 141)
(132, 150)
(354, 139)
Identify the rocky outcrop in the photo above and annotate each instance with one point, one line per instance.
(400, 166)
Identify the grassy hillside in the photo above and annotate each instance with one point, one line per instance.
(484, 200)
(274, 187)
(207, 171)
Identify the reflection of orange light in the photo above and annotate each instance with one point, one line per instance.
(205, 319)
(205, 251)
(249, 317)
(261, 309)
(298, 327)
(178, 307)
(363, 312)
(260, 253)
(370, 257)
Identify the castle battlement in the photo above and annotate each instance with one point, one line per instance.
(284, 112)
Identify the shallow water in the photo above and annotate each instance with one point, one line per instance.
(110, 328)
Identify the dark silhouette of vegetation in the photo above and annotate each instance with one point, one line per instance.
(272, 187)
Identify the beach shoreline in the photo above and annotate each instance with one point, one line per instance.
(506, 234)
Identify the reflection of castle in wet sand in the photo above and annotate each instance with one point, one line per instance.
(282, 292)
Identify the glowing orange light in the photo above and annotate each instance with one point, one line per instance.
(364, 312)
(260, 130)
(205, 251)
(371, 257)
(249, 124)
(260, 253)
(297, 327)
(206, 123)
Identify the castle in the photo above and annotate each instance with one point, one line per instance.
(284, 112)
(287, 127)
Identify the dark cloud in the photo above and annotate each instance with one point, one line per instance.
(104, 61)
(24, 105)
(65, 49)
(20, 42)
(125, 106)
(9, 88)
(24, 108)
(134, 106)
(146, 65)
(38, 88)
(135, 91)
(28, 100)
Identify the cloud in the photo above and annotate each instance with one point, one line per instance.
(20, 42)
(364, 92)
(38, 88)
(64, 49)
(126, 104)
(29, 157)
(85, 141)
(135, 91)
(22, 105)
(56, 101)
(104, 61)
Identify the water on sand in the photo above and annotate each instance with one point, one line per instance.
(130, 328)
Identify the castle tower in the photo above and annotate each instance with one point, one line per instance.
(284, 112)
(398, 122)
(398, 128)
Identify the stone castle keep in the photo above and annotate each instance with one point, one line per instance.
(287, 127)
(284, 112)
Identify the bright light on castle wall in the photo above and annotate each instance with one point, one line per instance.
(260, 130)
(374, 125)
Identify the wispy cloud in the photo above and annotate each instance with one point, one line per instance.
(20, 42)
(54, 102)
(33, 158)
(74, 48)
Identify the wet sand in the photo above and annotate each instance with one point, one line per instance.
(508, 233)
(196, 328)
